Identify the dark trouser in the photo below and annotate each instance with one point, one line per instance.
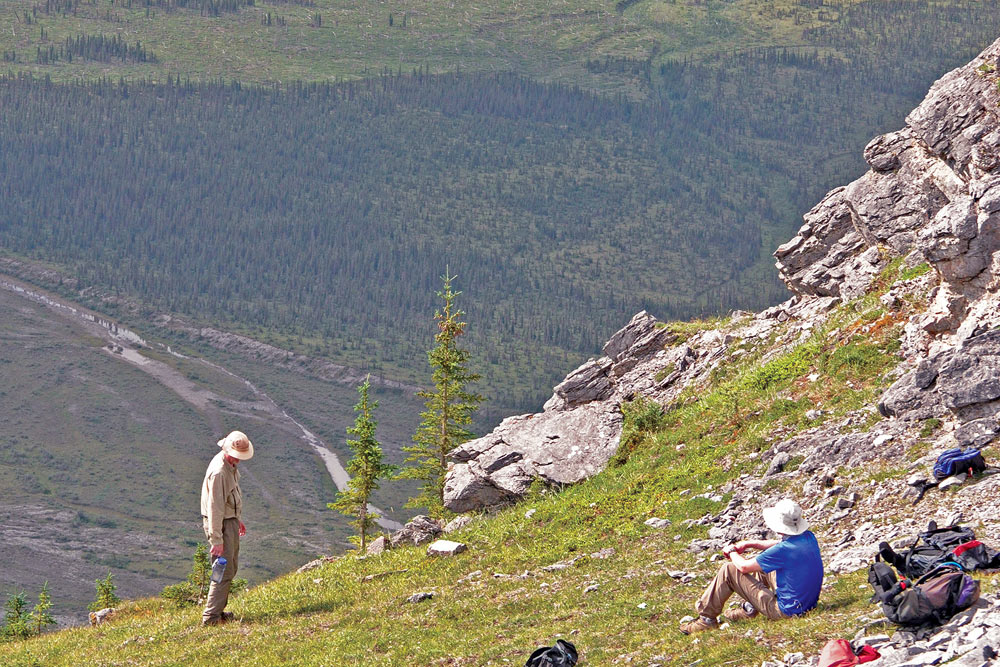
(218, 593)
(756, 588)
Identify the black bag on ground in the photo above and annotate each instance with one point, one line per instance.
(563, 654)
(974, 555)
(929, 601)
(939, 545)
(947, 538)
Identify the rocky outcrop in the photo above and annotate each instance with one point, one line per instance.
(558, 447)
(419, 530)
(932, 195)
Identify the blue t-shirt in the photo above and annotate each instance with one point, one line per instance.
(799, 565)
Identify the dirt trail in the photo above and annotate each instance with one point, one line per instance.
(124, 344)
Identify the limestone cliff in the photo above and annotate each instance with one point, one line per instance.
(932, 195)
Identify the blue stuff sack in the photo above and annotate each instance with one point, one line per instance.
(957, 460)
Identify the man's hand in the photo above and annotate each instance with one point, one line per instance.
(243, 529)
(738, 547)
(216, 550)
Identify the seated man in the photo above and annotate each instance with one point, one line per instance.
(782, 581)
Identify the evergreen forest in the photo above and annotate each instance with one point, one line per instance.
(321, 215)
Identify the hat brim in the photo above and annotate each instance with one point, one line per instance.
(228, 449)
(772, 519)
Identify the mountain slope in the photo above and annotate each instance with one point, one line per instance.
(857, 381)
(106, 439)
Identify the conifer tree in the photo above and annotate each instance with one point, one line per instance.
(449, 407)
(366, 468)
(201, 572)
(15, 619)
(41, 615)
(105, 594)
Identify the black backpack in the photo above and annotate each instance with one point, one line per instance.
(938, 547)
(563, 654)
(929, 601)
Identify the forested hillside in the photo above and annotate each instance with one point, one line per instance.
(321, 216)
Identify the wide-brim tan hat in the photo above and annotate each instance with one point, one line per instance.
(237, 445)
(786, 518)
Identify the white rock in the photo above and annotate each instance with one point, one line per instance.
(954, 480)
(881, 440)
(657, 523)
(445, 548)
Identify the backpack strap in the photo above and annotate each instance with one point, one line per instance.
(948, 565)
(909, 553)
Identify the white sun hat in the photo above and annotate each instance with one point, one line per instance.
(237, 445)
(786, 518)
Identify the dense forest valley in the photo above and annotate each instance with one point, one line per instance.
(307, 177)
(321, 216)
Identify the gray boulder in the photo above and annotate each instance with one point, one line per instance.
(420, 530)
(560, 447)
(964, 380)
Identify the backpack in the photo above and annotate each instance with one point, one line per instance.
(974, 555)
(563, 654)
(957, 460)
(929, 601)
(939, 547)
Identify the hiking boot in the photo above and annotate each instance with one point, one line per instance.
(700, 624)
(215, 620)
(744, 612)
(227, 616)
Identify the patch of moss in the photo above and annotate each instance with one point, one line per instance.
(929, 426)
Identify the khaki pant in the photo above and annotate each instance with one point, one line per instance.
(218, 593)
(756, 588)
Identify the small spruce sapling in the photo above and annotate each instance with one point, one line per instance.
(366, 468)
(105, 594)
(41, 616)
(16, 621)
(449, 407)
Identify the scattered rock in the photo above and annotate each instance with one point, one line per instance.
(657, 523)
(778, 463)
(378, 545)
(419, 530)
(445, 548)
(313, 564)
(420, 597)
(458, 523)
(953, 481)
(98, 617)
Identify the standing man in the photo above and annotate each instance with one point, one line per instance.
(783, 581)
(221, 508)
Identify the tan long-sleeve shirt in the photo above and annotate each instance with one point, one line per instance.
(220, 497)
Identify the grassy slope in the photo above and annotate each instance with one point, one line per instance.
(335, 615)
(550, 40)
(112, 462)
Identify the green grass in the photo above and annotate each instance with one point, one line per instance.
(352, 611)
